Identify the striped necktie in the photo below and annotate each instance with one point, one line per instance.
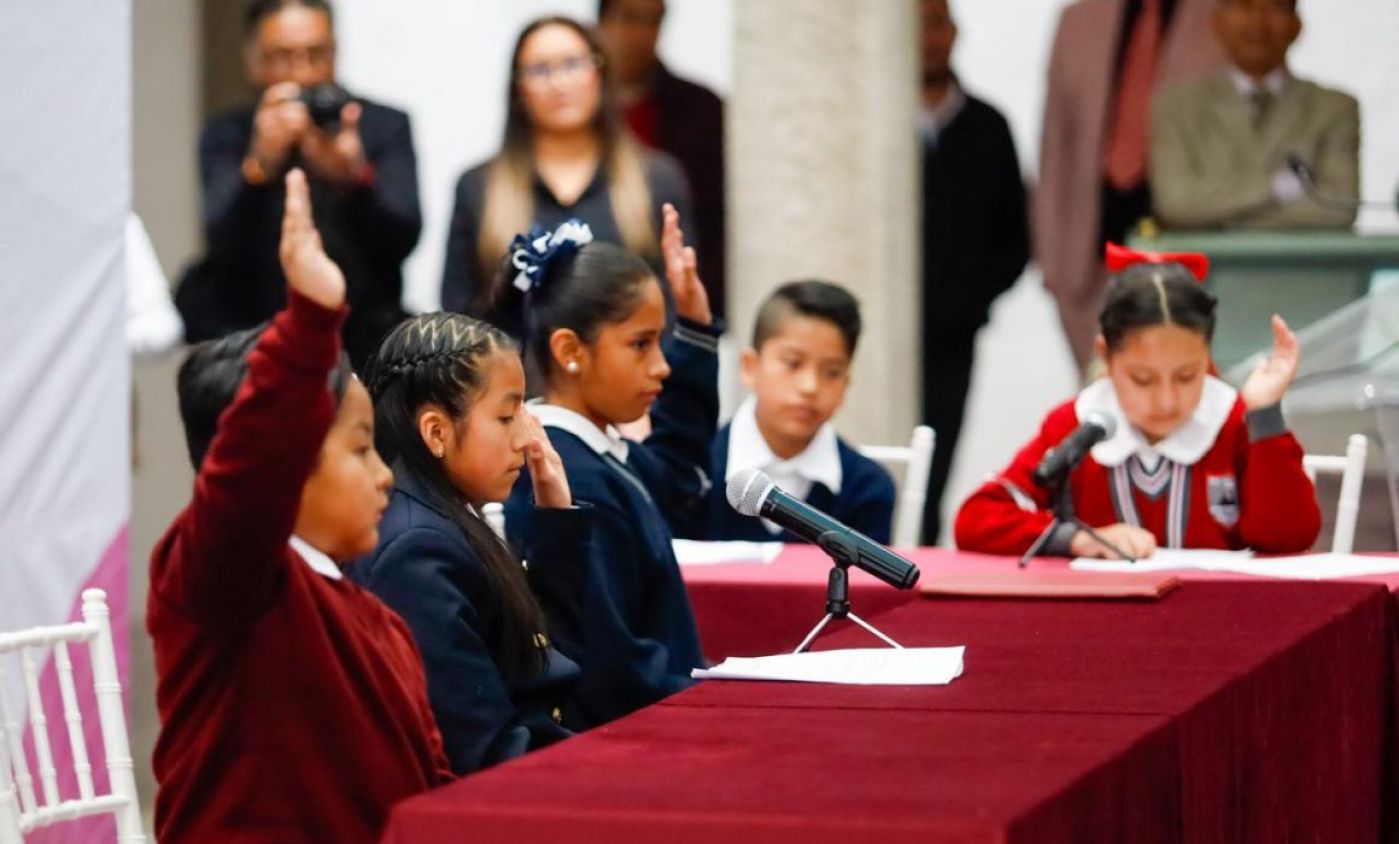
(1131, 123)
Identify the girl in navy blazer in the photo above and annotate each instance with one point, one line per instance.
(449, 406)
(597, 339)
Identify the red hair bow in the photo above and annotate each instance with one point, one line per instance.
(1119, 258)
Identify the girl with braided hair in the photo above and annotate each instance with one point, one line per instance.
(448, 398)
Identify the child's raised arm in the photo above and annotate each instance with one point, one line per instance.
(686, 416)
(1271, 377)
(223, 558)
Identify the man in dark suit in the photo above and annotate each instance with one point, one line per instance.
(363, 177)
(675, 116)
(975, 237)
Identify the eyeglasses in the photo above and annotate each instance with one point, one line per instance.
(284, 57)
(565, 70)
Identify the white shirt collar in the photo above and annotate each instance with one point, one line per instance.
(819, 462)
(931, 121)
(318, 560)
(603, 442)
(1185, 445)
(1274, 83)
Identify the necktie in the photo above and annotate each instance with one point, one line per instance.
(1127, 138)
(1261, 100)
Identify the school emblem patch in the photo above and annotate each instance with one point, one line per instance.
(1223, 492)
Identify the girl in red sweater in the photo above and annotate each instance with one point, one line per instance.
(293, 705)
(1193, 462)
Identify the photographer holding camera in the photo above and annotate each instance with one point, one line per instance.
(359, 159)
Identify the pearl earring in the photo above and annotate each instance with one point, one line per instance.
(572, 366)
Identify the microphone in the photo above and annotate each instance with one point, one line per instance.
(1070, 451)
(753, 493)
(1299, 168)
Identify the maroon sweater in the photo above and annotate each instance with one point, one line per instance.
(293, 707)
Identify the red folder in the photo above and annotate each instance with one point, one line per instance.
(1063, 583)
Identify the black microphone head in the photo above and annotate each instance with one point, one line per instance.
(747, 490)
(1101, 420)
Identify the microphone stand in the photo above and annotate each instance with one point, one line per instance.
(1313, 191)
(1062, 504)
(843, 554)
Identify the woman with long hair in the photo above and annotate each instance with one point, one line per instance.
(566, 154)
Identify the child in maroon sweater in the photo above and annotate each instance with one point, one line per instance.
(293, 703)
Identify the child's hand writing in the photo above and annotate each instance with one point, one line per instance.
(1138, 543)
(1271, 378)
(545, 468)
(308, 269)
(682, 270)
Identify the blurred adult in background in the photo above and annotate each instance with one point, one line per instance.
(1109, 58)
(565, 154)
(363, 177)
(674, 115)
(976, 239)
(1220, 146)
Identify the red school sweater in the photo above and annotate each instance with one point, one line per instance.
(1237, 483)
(293, 706)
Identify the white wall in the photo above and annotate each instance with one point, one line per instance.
(165, 118)
(447, 64)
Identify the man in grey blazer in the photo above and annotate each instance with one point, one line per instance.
(1220, 146)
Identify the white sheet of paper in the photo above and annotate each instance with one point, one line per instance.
(1327, 566)
(856, 666)
(689, 552)
(1168, 559)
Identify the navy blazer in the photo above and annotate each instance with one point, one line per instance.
(637, 642)
(368, 230)
(427, 572)
(865, 501)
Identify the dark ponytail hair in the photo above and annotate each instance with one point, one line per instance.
(1146, 295)
(599, 284)
(442, 359)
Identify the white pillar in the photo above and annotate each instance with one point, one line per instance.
(823, 181)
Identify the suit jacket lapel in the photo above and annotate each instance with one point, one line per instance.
(1231, 110)
(1284, 123)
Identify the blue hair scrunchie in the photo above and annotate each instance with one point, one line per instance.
(531, 254)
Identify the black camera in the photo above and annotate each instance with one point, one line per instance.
(325, 102)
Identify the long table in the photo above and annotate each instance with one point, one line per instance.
(1228, 711)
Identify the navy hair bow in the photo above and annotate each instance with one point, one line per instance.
(531, 254)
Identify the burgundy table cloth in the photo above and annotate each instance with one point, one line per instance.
(1228, 711)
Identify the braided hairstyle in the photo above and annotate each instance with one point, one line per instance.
(442, 359)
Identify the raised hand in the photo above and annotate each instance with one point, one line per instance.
(339, 157)
(1271, 378)
(1138, 543)
(546, 470)
(682, 270)
(308, 269)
